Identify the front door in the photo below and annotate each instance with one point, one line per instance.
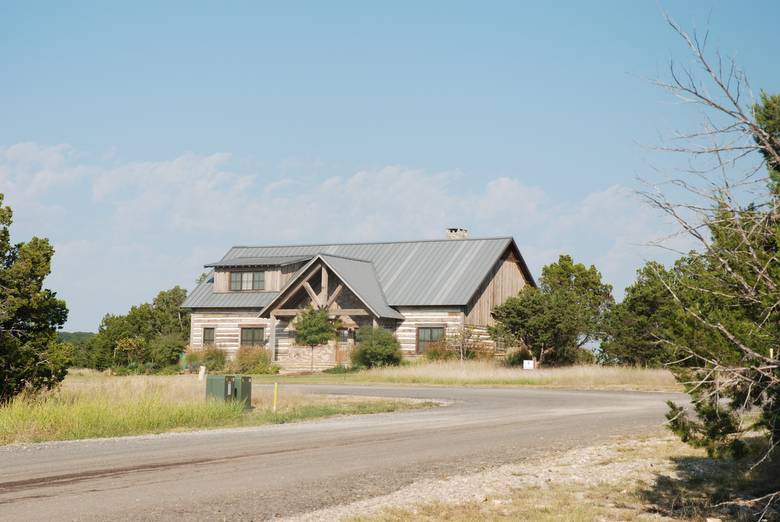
(343, 345)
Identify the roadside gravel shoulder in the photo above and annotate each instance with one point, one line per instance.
(580, 471)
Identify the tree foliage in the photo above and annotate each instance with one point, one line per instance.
(727, 333)
(31, 356)
(377, 347)
(313, 327)
(635, 327)
(557, 319)
(149, 337)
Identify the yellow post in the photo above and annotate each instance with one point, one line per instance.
(276, 393)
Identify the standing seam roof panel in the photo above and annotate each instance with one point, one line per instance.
(415, 273)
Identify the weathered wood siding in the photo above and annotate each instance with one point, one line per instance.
(287, 272)
(221, 281)
(505, 280)
(415, 316)
(275, 277)
(227, 327)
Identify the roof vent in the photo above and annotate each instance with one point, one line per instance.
(457, 233)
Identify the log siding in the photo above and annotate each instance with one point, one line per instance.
(451, 318)
(227, 328)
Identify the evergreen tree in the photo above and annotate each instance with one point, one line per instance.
(559, 318)
(31, 356)
(635, 328)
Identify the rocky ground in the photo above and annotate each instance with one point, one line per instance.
(600, 482)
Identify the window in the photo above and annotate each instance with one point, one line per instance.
(208, 337)
(427, 336)
(258, 280)
(343, 336)
(252, 337)
(247, 281)
(235, 280)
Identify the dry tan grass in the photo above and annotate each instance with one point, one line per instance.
(91, 404)
(490, 373)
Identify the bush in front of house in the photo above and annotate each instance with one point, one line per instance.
(213, 359)
(439, 351)
(517, 356)
(377, 347)
(253, 360)
(339, 369)
(192, 359)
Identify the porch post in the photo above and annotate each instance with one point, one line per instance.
(323, 287)
(272, 336)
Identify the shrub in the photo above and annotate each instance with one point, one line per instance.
(213, 358)
(253, 360)
(339, 369)
(377, 347)
(168, 370)
(193, 358)
(584, 356)
(439, 351)
(164, 350)
(516, 357)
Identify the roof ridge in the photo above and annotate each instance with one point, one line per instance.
(377, 242)
(344, 257)
(256, 257)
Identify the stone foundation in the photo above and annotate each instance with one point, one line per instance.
(299, 358)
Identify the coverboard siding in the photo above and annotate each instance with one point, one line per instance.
(406, 331)
(227, 328)
(221, 281)
(274, 277)
(505, 280)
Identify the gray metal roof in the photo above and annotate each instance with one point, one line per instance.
(359, 276)
(412, 273)
(204, 297)
(259, 261)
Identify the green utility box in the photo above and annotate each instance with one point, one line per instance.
(243, 390)
(230, 388)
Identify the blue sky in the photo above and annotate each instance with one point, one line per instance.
(145, 139)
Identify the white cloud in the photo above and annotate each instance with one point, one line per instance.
(31, 169)
(153, 224)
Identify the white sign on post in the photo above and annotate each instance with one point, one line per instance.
(528, 364)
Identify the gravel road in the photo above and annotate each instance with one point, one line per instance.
(282, 470)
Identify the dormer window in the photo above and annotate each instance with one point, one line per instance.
(242, 281)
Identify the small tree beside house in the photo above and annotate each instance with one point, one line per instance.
(314, 328)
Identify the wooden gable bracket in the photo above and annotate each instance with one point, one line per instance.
(315, 299)
(319, 301)
(334, 295)
(323, 297)
(297, 287)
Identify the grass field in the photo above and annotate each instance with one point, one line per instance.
(89, 405)
(489, 373)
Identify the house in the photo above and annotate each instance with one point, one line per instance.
(422, 291)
